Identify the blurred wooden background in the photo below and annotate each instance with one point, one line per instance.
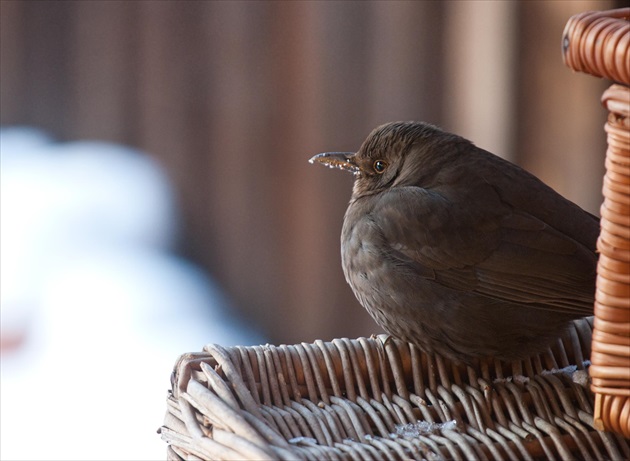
(234, 97)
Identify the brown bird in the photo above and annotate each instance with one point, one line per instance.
(461, 252)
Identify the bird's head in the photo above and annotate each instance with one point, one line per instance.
(391, 155)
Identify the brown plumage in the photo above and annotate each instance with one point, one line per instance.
(459, 251)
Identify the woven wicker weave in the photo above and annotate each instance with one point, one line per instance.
(598, 43)
(352, 399)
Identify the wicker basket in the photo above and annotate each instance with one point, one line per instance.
(380, 398)
(598, 43)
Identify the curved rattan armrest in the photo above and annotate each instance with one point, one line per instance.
(598, 43)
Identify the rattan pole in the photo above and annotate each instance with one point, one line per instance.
(598, 43)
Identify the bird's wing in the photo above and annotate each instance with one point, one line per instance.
(480, 244)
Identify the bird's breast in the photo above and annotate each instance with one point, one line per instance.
(369, 270)
(360, 252)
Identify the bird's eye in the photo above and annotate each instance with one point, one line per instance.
(379, 166)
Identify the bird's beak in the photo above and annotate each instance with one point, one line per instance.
(341, 160)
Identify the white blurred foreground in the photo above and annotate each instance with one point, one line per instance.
(95, 309)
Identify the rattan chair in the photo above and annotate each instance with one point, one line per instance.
(598, 43)
(378, 398)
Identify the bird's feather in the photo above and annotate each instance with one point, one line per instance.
(497, 252)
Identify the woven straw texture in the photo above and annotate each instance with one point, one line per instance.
(363, 399)
(599, 43)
